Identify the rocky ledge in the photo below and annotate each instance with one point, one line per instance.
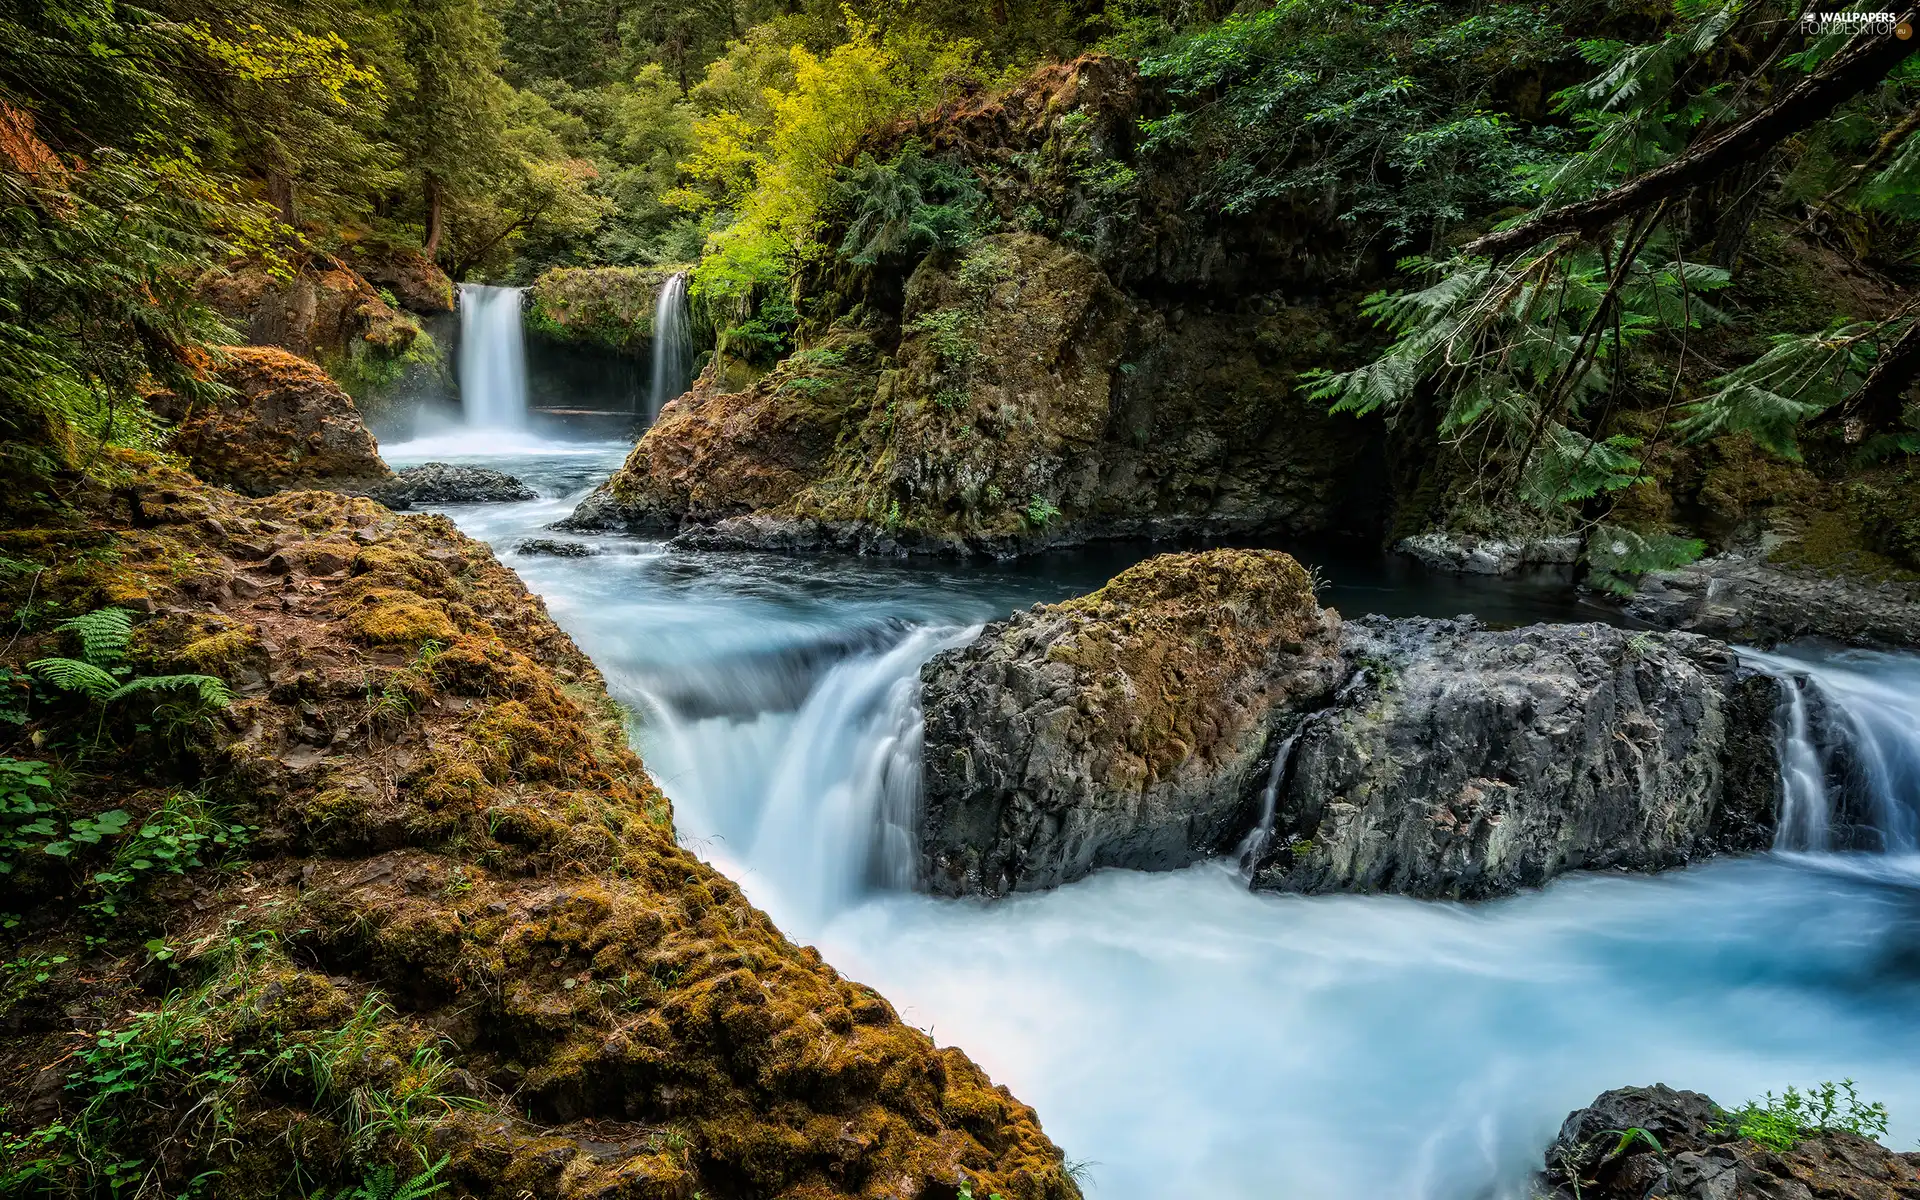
(1748, 600)
(1128, 728)
(443, 483)
(1466, 762)
(1199, 699)
(1654, 1141)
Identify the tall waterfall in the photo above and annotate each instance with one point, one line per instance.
(672, 343)
(493, 357)
(1848, 729)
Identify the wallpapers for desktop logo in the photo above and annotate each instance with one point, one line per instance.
(1851, 23)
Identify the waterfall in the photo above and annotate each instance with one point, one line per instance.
(1848, 736)
(1254, 846)
(672, 343)
(493, 357)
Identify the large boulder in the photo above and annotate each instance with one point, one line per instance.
(1130, 728)
(320, 310)
(1636, 1142)
(405, 272)
(284, 424)
(1461, 761)
(610, 307)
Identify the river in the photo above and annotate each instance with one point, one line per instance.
(1178, 1034)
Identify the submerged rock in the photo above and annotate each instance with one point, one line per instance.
(1464, 762)
(1637, 1142)
(284, 425)
(1748, 600)
(444, 483)
(556, 548)
(1128, 728)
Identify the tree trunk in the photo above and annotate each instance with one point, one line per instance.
(434, 201)
(1881, 401)
(280, 195)
(1861, 65)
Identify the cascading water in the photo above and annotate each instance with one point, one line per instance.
(493, 357)
(1187, 1035)
(672, 343)
(1848, 729)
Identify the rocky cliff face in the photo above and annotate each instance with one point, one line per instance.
(1140, 726)
(1027, 402)
(1128, 728)
(462, 900)
(1465, 762)
(1692, 1152)
(1747, 599)
(415, 281)
(610, 307)
(323, 309)
(284, 425)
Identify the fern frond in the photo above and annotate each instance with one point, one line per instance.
(72, 675)
(425, 1184)
(1617, 557)
(103, 634)
(1768, 398)
(212, 691)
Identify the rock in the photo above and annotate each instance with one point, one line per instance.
(413, 279)
(1459, 761)
(443, 483)
(610, 307)
(325, 311)
(1695, 1155)
(1128, 728)
(1745, 599)
(556, 548)
(1488, 556)
(1029, 402)
(286, 425)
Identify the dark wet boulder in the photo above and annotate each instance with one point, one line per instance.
(555, 548)
(1639, 1142)
(1128, 728)
(1460, 761)
(444, 483)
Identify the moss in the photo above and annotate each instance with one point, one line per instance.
(611, 307)
(387, 616)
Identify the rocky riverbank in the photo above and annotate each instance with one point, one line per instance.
(1200, 699)
(448, 885)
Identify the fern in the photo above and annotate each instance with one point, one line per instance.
(72, 675)
(1618, 557)
(212, 691)
(1768, 398)
(104, 635)
(382, 1183)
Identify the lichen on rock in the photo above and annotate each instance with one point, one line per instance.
(284, 424)
(1130, 727)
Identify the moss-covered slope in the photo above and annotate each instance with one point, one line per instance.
(452, 921)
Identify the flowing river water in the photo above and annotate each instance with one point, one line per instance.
(1177, 1033)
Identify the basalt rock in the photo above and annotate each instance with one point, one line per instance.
(285, 424)
(554, 548)
(444, 483)
(1128, 728)
(1691, 1152)
(1745, 599)
(1460, 761)
(1489, 556)
(409, 275)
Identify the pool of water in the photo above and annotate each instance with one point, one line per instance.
(1177, 1033)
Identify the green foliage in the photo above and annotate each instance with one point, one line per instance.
(185, 833)
(1778, 1123)
(1381, 114)
(906, 208)
(384, 1183)
(1040, 512)
(101, 676)
(1618, 557)
(1799, 377)
(28, 805)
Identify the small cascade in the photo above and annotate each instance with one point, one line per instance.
(1254, 846)
(1848, 735)
(672, 343)
(493, 357)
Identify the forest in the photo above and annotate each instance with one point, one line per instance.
(328, 867)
